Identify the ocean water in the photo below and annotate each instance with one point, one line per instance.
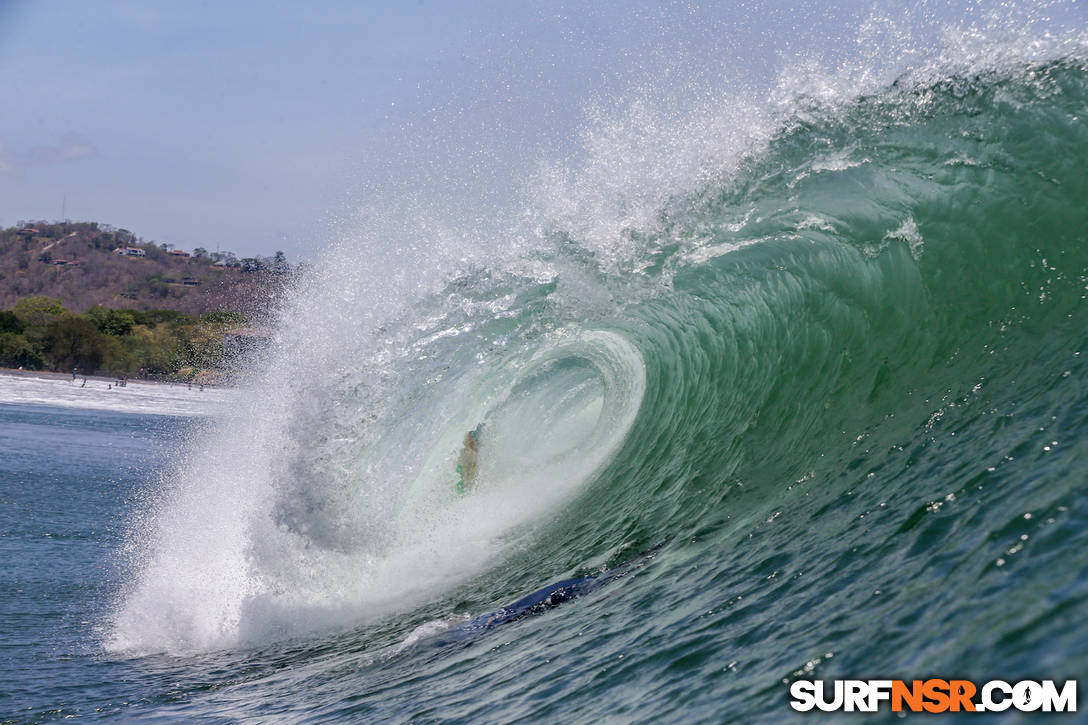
(820, 395)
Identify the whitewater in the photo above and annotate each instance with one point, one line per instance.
(790, 385)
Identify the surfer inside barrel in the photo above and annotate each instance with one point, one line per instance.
(467, 462)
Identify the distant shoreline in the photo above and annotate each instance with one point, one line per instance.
(49, 389)
(49, 375)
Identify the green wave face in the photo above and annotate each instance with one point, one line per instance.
(865, 395)
(844, 386)
(871, 305)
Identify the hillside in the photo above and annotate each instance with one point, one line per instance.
(84, 264)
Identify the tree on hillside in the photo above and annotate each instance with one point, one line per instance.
(224, 317)
(38, 310)
(10, 322)
(112, 322)
(74, 342)
(279, 263)
(17, 352)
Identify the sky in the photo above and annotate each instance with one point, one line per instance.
(235, 125)
(252, 126)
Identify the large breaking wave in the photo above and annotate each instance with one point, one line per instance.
(853, 285)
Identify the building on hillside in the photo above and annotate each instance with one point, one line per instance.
(190, 281)
(178, 253)
(130, 252)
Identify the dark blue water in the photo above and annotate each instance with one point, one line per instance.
(68, 481)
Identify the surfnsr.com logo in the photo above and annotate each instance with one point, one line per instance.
(933, 695)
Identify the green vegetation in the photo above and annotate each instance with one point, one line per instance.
(101, 299)
(38, 333)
